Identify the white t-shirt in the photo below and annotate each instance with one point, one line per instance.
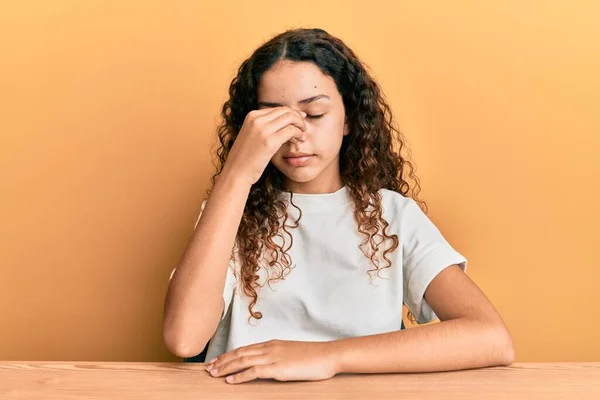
(328, 294)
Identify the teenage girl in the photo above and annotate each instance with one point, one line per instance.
(311, 238)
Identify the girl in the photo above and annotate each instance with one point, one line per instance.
(311, 240)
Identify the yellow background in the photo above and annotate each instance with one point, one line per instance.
(108, 109)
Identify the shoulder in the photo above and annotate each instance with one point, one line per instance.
(396, 203)
(401, 211)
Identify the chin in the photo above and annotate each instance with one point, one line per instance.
(299, 175)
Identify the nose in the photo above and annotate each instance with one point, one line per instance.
(296, 140)
(303, 138)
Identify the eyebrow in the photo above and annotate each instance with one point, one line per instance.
(305, 101)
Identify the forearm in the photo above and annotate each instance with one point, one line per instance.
(194, 299)
(460, 343)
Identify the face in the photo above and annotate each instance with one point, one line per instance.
(302, 86)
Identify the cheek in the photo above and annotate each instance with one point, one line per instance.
(331, 122)
(328, 133)
(278, 155)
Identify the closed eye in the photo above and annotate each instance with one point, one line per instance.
(315, 116)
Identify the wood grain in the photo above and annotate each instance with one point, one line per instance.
(116, 380)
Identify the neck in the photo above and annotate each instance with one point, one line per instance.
(315, 203)
(328, 181)
(313, 187)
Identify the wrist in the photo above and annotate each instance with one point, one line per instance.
(335, 351)
(233, 180)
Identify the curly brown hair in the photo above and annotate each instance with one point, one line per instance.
(370, 156)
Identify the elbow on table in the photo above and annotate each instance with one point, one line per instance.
(504, 352)
(181, 346)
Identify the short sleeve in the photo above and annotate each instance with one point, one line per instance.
(229, 278)
(425, 253)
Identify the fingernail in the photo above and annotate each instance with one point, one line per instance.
(303, 114)
(213, 360)
(210, 366)
(214, 371)
(229, 378)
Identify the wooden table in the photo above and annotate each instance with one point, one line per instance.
(178, 381)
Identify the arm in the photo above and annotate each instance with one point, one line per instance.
(194, 302)
(471, 334)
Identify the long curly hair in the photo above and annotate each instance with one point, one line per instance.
(370, 156)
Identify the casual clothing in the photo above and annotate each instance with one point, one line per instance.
(328, 294)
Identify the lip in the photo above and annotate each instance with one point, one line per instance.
(296, 155)
(298, 159)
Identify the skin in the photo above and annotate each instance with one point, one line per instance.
(302, 86)
(470, 334)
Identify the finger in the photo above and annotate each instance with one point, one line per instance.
(240, 364)
(250, 350)
(274, 113)
(259, 113)
(257, 372)
(279, 138)
(299, 139)
(288, 118)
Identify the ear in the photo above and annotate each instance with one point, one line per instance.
(346, 129)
